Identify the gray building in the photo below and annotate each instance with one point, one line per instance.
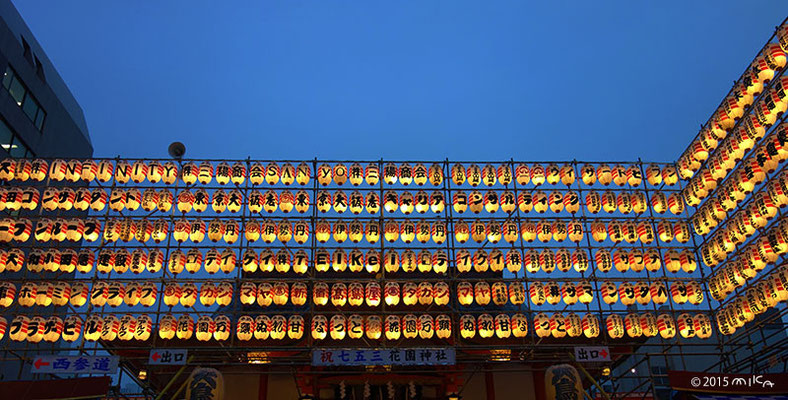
(38, 114)
(39, 117)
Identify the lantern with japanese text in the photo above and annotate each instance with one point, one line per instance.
(355, 326)
(167, 326)
(615, 326)
(467, 326)
(19, 328)
(392, 327)
(542, 325)
(666, 326)
(185, 328)
(373, 327)
(204, 328)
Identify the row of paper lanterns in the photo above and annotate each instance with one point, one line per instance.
(124, 171)
(756, 300)
(769, 61)
(354, 326)
(269, 230)
(548, 260)
(739, 228)
(132, 199)
(749, 173)
(340, 294)
(753, 258)
(762, 207)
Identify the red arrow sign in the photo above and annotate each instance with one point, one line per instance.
(155, 356)
(39, 363)
(603, 354)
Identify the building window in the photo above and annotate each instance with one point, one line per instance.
(12, 144)
(660, 374)
(24, 98)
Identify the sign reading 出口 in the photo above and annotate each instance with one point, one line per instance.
(592, 353)
(414, 356)
(167, 357)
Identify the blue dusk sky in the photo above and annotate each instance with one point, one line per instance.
(467, 80)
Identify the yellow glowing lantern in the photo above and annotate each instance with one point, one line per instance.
(542, 325)
(224, 293)
(465, 293)
(338, 294)
(19, 328)
(278, 327)
(128, 326)
(615, 326)
(143, 328)
(666, 326)
(185, 327)
(372, 294)
(410, 294)
(518, 325)
(295, 327)
(244, 328)
(621, 260)
(96, 326)
(72, 328)
(410, 326)
(222, 326)
(373, 327)
(609, 292)
(392, 327)
(204, 328)
(355, 294)
(702, 326)
(467, 326)
(391, 293)
(685, 325)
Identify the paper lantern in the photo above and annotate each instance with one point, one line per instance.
(116, 292)
(172, 294)
(295, 327)
(702, 326)
(540, 201)
(204, 328)
(632, 325)
(244, 328)
(537, 294)
(392, 293)
(569, 293)
(694, 292)
(542, 325)
(128, 326)
(143, 328)
(609, 292)
(410, 326)
(558, 325)
(615, 326)
(224, 293)
(338, 294)
(95, 328)
(372, 294)
(590, 325)
(467, 326)
(221, 328)
(666, 326)
(685, 325)
(72, 328)
(525, 202)
(410, 293)
(465, 293)
(373, 327)
(19, 327)
(185, 328)
(392, 327)
(35, 329)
